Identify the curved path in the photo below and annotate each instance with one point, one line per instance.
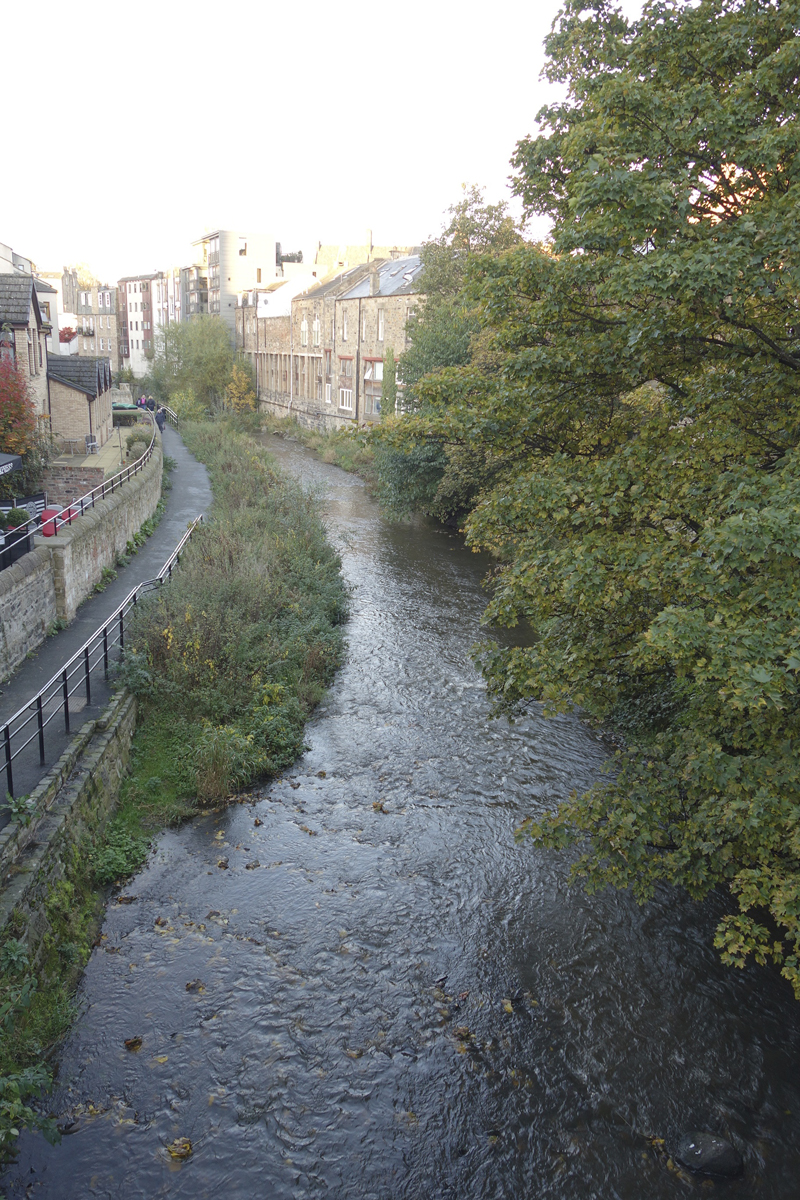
(189, 496)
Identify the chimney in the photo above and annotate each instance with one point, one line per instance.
(369, 244)
(374, 282)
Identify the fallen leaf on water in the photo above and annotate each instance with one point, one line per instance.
(354, 1053)
(214, 913)
(160, 1058)
(133, 1043)
(463, 995)
(195, 985)
(251, 866)
(125, 899)
(378, 806)
(462, 1033)
(258, 821)
(180, 1148)
(508, 1006)
(223, 864)
(161, 921)
(321, 774)
(219, 836)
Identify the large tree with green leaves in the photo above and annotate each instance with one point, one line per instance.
(194, 358)
(443, 481)
(644, 403)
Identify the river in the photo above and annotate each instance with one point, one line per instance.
(398, 1002)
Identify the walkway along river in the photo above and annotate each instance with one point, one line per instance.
(380, 995)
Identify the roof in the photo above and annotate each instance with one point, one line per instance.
(397, 278)
(41, 286)
(92, 376)
(16, 294)
(340, 282)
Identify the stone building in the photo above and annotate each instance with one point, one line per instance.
(324, 364)
(80, 399)
(97, 323)
(23, 334)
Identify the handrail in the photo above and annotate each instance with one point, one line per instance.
(61, 686)
(172, 416)
(68, 513)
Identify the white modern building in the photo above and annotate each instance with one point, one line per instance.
(233, 263)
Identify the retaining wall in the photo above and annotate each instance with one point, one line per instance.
(71, 805)
(60, 572)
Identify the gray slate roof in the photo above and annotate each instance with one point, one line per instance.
(41, 286)
(396, 277)
(16, 292)
(92, 376)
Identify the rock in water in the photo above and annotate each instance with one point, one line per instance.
(708, 1154)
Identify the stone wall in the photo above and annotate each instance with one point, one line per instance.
(27, 607)
(69, 807)
(60, 572)
(94, 541)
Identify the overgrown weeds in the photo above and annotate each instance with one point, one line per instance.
(241, 645)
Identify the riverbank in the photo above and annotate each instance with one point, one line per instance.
(227, 664)
(346, 448)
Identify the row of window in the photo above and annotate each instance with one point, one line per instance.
(103, 299)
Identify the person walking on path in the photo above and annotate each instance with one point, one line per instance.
(161, 420)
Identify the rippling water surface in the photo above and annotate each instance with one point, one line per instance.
(387, 997)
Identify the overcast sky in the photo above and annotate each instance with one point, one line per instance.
(149, 124)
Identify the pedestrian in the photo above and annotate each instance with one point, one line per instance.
(151, 404)
(161, 420)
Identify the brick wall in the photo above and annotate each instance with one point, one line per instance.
(64, 483)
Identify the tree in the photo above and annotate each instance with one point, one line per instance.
(429, 478)
(194, 356)
(643, 412)
(240, 394)
(17, 410)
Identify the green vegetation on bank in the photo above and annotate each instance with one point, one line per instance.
(632, 392)
(350, 449)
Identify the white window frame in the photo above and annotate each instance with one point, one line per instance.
(328, 389)
(316, 331)
(344, 325)
(304, 332)
(381, 323)
(346, 398)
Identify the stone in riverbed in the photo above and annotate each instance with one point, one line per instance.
(708, 1154)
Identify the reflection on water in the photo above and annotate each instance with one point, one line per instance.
(382, 996)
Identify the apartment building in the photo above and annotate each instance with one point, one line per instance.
(232, 263)
(97, 323)
(137, 320)
(324, 363)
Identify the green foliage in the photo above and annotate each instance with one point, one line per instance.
(242, 643)
(442, 481)
(16, 1115)
(192, 358)
(637, 394)
(119, 855)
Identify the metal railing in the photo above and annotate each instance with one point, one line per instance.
(30, 722)
(172, 416)
(76, 508)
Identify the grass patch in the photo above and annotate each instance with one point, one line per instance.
(345, 448)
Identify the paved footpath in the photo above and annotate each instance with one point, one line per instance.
(190, 495)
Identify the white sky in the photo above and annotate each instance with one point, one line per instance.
(149, 123)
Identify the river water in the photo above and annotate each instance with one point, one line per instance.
(397, 1002)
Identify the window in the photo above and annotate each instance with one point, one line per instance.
(346, 367)
(258, 274)
(328, 363)
(317, 331)
(328, 394)
(304, 332)
(333, 329)
(102, 344)
(108, 299)
(380, 324)
(373, 369)
(346, 398)
(344, 325)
